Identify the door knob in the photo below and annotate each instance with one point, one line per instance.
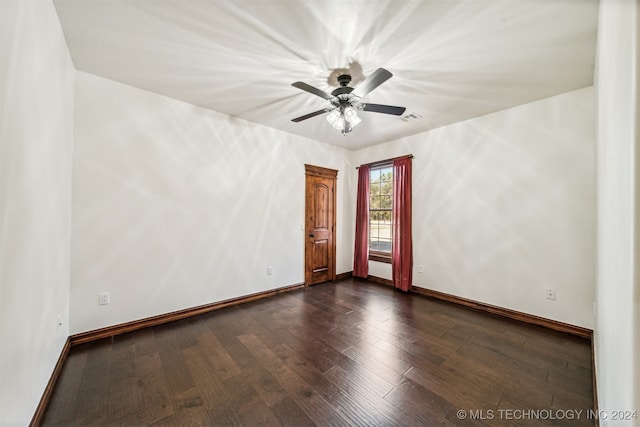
(311, 235)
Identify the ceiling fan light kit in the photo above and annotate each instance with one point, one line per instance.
(346, 101)
(344, 120)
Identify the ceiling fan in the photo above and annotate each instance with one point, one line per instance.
(346, 101)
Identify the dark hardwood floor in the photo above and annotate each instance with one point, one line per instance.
(335, 354)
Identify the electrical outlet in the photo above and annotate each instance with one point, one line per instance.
(421, 268)
(551, 294)
(269, 271)
(103, 298)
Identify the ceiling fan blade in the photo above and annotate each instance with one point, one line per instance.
(311, 89)
(378, 77)
(386, 109)
(315, 113)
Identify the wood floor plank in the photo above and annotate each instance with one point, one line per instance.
(62, 407)
(156, 397)
(145, 341)
(189, 410)
(218, 356)
(566, 346)
(369, 359)
(494, 357)
(125, 394)
(404, 351)
(264, 382)
(177, 374)
(248, 403)
(358, 379)
(572, 380)
(93, 397)
(424, 405)
(213, 394)
(336, 341)
(454, 389)
(290, 414)
(306, 371)
(320, 355)
(363, 412)
(359, 397)
(489, 377)
(305, 397)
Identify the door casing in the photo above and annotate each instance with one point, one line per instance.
(320, 224)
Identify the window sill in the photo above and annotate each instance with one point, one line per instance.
(380, 258)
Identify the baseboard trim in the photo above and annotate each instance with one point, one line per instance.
(122, 328)
(38, 416)
(506, 312)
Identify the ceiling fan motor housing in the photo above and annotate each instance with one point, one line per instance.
(344, 79)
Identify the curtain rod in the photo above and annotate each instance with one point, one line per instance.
(381, 162)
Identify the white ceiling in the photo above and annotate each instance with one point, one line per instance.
(451, 59)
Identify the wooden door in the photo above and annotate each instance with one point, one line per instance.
(320, 224)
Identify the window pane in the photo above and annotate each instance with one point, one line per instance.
(384, 202)
(374, 175)
(384, 245)
(373, 229)
(380, 205)
(375, 202)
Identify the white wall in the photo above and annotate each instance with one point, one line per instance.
(617, 329)
(36, 128)
(176, 206)
(504, 207)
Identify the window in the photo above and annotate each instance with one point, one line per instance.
(380, 212)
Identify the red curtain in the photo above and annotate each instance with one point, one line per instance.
(402, 245)
(361, 251)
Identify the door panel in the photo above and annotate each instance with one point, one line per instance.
(321, 256)
(320, 201)
(320, 225)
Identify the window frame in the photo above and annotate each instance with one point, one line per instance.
(377, 255)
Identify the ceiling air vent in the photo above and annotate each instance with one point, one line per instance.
(411, 117)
